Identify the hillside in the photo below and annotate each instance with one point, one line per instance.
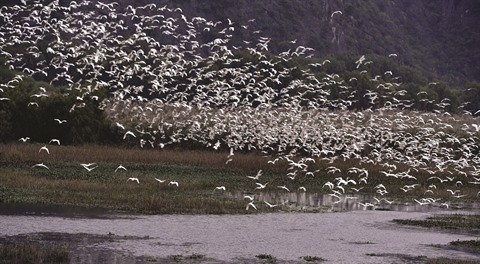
(439, 38)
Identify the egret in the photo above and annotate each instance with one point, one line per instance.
(133, 179)
(120, 167)
(257, 176)
(24, 139)
(249, 197)
(45, 149)
(60, 121)
(261, 186)
(250, 204)
(41, 165)
(336, 12)
(53, 140)
(270, 205)
(173, 183)
(129, 133)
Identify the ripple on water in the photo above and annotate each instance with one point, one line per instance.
(347, 237)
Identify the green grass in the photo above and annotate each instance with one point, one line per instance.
(459, 222)
(313, 259)
(266, 258)
(198, 173)
(452, 221)
(467, 243)
(27, 252)
(450, 261)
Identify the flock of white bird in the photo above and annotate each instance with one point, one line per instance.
(174, 79)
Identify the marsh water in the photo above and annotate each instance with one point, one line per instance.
(355, 236)
(350, 237)
(348, 234)
(305, 201)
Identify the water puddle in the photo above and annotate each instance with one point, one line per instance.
(348, 237)
(304, 201)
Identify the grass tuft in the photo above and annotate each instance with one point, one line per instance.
(24, 253)
(313, 259)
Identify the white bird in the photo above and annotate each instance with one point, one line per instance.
(366, 204)
(53, 140)
(257, 176)
(173, 183)
(160, 181)
(129, 133)
(87, 164)
(221, 188)
(231, 153)
(24, 139)
(249, 197)
(89, 169)
(120, 167)
(301, 188)
(421, 203)
(284, 187)
(40, 165)
(329, 184)
(356, 189)
(133, 179)
(452, 192)
(60, 121)
(336, 12)
(250, 204)
(270, 205)
(45, 149)
(261, 186)
(120, 126)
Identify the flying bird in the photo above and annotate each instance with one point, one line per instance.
(129, 133)
(257, 176)
(88, 168)
(133, 179)
(284, 187)
(24, 139)
(173, 183)
(336, 12)
(41, 165)
(44, 148)
(120, 167)
(270, 205)
(250, 204)
(60, 121)
(249, 197)
(261, 186)
(53, 140)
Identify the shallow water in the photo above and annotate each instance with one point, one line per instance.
(310, 201)
(345, 237)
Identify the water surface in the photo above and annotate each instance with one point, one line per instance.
(345, 237)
